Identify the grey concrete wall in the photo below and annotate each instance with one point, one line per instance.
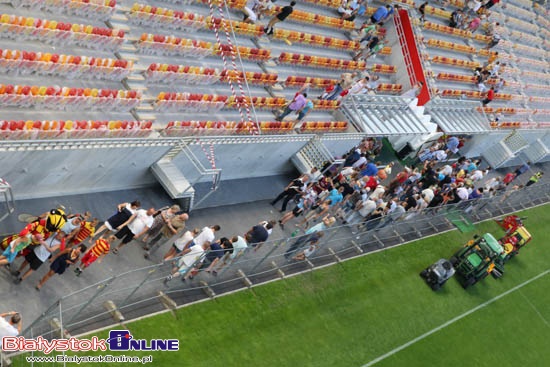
(48, 173)
(242, 160)
(35, 174)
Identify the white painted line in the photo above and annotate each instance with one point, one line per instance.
(453, 320)
(534, 308)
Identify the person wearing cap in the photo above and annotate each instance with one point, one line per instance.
(11, 327)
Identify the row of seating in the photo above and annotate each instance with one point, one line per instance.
(324, 126)
(506, 110)
(470, 79)
(455, 62)
(539, 99)
(519, 12)
(531, 50)
(249, 53)
(514, 22)
(451, 46)
(250, 76)
(153, 16)
(323, 83)
(157, 44)
(435, 27)
(460, 93)
(183, 128)
(316, 40)
(317, 19)
(321, 104)
(319, 61)
(199, 75)
(513, 125)
(55, 97)
(181, 102)
(71, 66)
(537, 86)
(534, 74)
(81, 129)
(98, 9)
(59, 33)
(247, 29)
(167, 73)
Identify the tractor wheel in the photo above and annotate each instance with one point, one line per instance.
(436, 286)
(424, 273)
(469, 282)
(454, 261)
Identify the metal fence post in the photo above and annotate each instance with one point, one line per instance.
(276, 244)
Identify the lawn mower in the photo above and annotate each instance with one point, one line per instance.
(480, 257)
(438, 273)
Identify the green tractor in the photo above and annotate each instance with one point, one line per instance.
(480, 257)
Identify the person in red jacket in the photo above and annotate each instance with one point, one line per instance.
(489, 97)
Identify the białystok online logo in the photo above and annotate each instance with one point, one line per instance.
(119, 340)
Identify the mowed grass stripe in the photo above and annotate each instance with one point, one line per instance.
(342, 315)
(460, 317)
(507, 333)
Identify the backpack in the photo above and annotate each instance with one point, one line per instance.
(55, 220)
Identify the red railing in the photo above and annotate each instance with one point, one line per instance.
(413, 60)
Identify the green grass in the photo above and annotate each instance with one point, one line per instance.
(349, 314)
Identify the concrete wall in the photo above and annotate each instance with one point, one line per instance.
(242, 160)
(47, 173)
(35, 174)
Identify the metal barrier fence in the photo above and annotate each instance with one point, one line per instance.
(136, 293)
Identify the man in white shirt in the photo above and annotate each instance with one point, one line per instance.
(141, 222)
(39, 255)
(206, 236)
(190, 256)
(11, 327)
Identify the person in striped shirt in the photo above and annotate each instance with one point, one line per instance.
(97, 251)
(86, 231)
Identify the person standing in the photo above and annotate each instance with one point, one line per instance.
(139, 225)
(97, 252)
(180, 244)
(170, 228)
(522, 169)
(535, 178)
(489, 97)
(61, 262)
(11, 327)
(303, 112)
(280, 17)
(297, 104)
(35, 258)
(120, 218)
(292, 189)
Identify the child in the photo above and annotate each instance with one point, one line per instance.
(96, 252)
(86, 231)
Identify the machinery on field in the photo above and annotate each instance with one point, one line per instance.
(478, 258)
(438, 273)
(516, 235)
(481, 256)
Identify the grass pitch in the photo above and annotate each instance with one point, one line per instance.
(351, 314)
